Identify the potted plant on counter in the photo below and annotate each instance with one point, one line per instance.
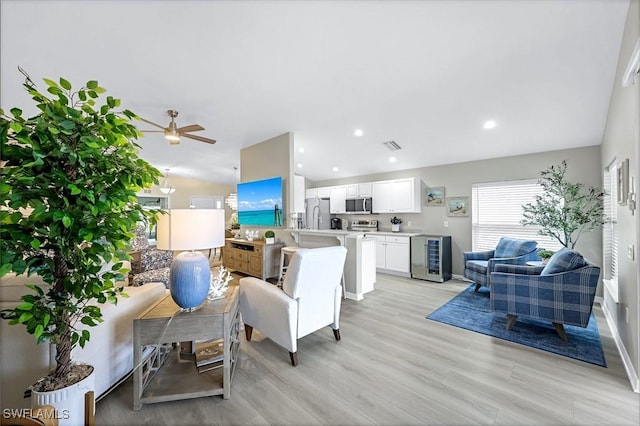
(269, 237)
(395, 224)
(69, 180)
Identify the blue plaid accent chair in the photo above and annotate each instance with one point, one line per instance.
(561, 292)
(478, 265)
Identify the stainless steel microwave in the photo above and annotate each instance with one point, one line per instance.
(359, 205)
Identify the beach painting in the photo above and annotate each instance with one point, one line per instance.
(458, 206)
(260, 202)
(434, 197)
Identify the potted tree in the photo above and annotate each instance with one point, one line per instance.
(67, 192)
(565, 210)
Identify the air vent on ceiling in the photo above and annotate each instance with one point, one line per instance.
(392, 145)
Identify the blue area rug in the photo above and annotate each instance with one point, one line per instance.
(471, 311)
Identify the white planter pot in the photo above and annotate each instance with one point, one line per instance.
(68, 402)
(395, 228)
(269, 240)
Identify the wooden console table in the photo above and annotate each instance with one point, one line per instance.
(253, 258)
(162, 374)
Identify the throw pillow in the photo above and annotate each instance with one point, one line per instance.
(511, 247)
(564, 260)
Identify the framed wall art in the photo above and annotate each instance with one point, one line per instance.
(434, 197)
(458, 206)
(623, 181)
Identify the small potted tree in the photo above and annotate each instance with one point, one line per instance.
(68, 186)
(565, 210)
(269, 237)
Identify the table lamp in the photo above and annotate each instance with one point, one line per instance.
(190, 273)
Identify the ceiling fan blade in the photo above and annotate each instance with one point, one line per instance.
(199, 138)
(190, 128)
(150, 122)
(152, 131)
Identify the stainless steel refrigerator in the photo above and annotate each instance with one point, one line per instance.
(317, 213)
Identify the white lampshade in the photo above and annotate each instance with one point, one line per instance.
(191, 229)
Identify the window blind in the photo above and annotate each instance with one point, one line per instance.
(497, 212)
(610, 231)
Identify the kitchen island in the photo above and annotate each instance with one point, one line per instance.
(360, 265)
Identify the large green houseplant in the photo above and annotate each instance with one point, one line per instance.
(565, 210)
(67, 208)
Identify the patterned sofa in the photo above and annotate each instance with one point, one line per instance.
(154, 263)
(478, 265)
(561, 292)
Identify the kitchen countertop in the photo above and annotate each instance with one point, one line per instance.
(348, 232)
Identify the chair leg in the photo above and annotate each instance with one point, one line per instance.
(477, 287)
(560, 330)
(511, 319)
(247, 332)
(294, 358)
(336, 333)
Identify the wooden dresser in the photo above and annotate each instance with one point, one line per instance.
(253, 258)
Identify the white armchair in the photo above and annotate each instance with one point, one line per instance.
(309, 300)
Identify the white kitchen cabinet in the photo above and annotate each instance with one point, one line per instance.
(322, 192)
(311, 193)
(299, 194)
(356, 190)
(337, 199)
(397, 196)
(392, 253)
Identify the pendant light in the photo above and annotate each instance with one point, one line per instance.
(166, 187)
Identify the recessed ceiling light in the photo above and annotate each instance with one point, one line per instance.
(358, 132)
(301, 150)
(489, 124)
(335, 169)
(299, 165)
(392, 159)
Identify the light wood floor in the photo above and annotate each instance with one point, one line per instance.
(394, 367)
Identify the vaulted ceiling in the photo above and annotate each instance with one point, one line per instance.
(425, 74)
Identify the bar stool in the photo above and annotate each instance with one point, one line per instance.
(285, 252)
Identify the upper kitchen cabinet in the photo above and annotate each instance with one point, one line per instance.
(322, 192)
(299, 194)
(337, 199)
(397, 196)
(359, 190)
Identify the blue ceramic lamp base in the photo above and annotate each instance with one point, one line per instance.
(189, 279)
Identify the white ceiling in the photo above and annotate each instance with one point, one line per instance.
(426, 74)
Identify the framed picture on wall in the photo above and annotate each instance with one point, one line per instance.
(458, 206)
(434, 197)
(623, 181)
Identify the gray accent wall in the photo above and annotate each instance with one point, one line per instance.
(621, 141)
(583, 166)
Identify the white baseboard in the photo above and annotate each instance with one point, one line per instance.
(634, 379)
(353, 296)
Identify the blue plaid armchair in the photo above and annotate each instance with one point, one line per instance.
(561, 292)
(478, 265)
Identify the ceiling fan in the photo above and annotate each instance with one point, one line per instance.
(173, 133)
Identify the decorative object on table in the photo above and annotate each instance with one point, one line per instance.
(458, 206)
(565, 210)
(219, 284)
(395, 224)
(81, 215)
(190, 273)
(434, 197)
(269, 237)
(545, 255)
(251, 234)
(472, 311)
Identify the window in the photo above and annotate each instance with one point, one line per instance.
(496, 212)
(610, 231)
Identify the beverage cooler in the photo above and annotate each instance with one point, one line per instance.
(431, 257)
